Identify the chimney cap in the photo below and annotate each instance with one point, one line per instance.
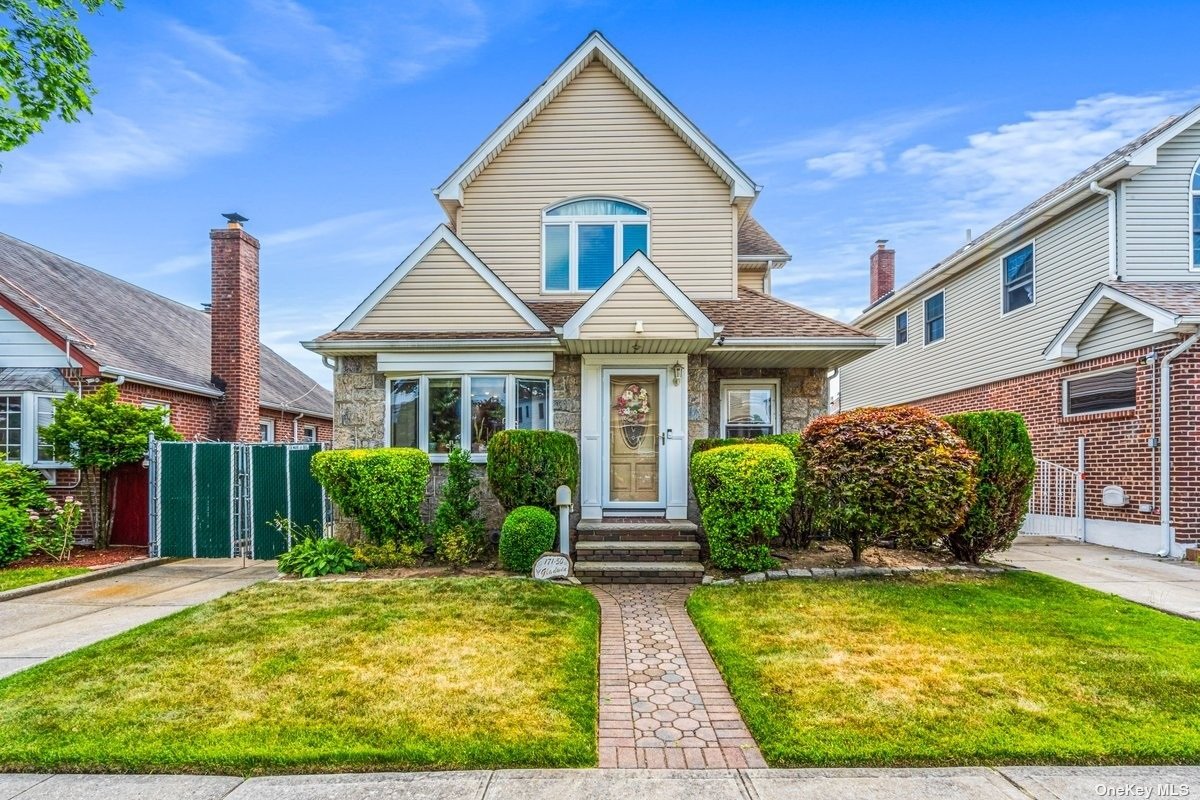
(880, 243)
(235, 219)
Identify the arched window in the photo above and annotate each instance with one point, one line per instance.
(1196, 216)
(584, 241)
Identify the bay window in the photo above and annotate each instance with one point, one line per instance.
(749, 409)
(437, 413)
(22, 417)
(10, 427)
(586, 241)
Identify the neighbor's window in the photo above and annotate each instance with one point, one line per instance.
(749, 410)
(10, 427)
(266, 430)
(1018, 279)
(585, 241)
(159, 404)
(901, 327)
(309, 434)
(438, 413)
(935, 318)
(1105, 391)
(1196, 217)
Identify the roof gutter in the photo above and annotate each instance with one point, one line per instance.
(814, 342)
(1164, 451)
(161, 383)
(374, 345)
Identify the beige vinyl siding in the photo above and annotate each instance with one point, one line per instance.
(638, 298)
(442, 293)
(1117, 331)
(1156, 210)
(982, 344)
(598, 138)
(22, 346)
(751, 278)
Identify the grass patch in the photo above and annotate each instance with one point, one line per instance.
(323, 677)
(28, 576)
(953, 670)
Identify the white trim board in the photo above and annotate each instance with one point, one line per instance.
(442, 234)
(593, 47)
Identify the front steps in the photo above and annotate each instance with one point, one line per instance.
(628, 550)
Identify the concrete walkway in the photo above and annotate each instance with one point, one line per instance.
(41, 626)
(1172, 586)
(1007, 783)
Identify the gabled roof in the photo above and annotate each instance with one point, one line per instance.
(1127, 160)
(122, 327)
(755, 244)
(637, 264)
(595, 46)
(1168, 305)
(442, 234)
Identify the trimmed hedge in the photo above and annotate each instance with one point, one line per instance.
(525, 468)
(743, 490)
(381, 489)
(889, 473)
(1005, 474)
(528, 531)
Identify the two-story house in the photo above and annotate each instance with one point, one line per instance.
(1080, 311)
(598, 273)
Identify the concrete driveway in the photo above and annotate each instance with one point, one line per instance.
(42, 626)
(1172, 586)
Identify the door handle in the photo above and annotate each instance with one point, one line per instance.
(664, 436)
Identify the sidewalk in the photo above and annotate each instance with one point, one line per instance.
(975, 783)
(1171, 586)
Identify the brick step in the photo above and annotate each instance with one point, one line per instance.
(647, 529)
(639, 571)
(637, 551)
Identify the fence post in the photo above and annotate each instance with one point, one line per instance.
(1080, 510)
(155, 547)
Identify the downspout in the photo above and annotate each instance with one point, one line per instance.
(1164, 434)
(1114, 273)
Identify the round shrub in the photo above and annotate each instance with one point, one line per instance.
(525, 468)
(743, 490)
(889, 472)
(14, 534)
(22, 487)
(381, 489)
(1005, 474)
(528, 531)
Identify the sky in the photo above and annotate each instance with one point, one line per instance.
(327, 124)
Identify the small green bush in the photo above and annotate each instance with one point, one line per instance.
(388, 555)
(457, 526)
(312, 558)
(22, 487)
(528, 532)
(14, 534)
(889, 472)
(1005, 474)
(525, 468)
(381, 489)
(743, 490)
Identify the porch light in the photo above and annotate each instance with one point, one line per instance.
(677, 372)
(637, 327)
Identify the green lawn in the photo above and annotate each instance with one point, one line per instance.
(945, 670)
(323, 677)
(27, 576)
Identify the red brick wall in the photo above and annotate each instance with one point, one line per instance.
(289, 427)
(235, 341)
(1116, 449)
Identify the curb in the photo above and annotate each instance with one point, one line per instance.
(846, 572)
(94, 575)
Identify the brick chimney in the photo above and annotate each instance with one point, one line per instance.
(235, 343)
(883, 271)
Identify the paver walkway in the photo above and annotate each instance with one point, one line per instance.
(41, 626)
(663, 704)
(1169, 585)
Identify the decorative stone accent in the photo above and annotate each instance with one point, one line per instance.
(566, 387)
(850, 572)
(359, 404)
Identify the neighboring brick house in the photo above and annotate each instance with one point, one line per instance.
(65, 327)
(1080, 311)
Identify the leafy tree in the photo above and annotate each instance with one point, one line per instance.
(98, 433)
(43, 65)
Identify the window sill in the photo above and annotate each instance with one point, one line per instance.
(1100, 416)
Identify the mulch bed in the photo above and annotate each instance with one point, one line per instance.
(85, 557)
(834, 554)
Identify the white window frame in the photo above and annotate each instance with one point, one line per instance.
(30, 431)
(1193, 217)
(307, 436)
(1093, 374)
(574, 221)
(925, 319)
(269, 424)
(1004, 286)
(768, 383)
(907, 328)
(464, 412)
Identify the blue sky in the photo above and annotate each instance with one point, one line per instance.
(327, 124)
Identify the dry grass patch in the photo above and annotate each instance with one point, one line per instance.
(946, 669)
(311, 676)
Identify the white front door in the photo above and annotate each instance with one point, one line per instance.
(634, 439)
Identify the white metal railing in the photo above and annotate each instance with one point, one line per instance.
(1056, 505)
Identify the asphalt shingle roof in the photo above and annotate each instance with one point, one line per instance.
(1176, 297)
(124, 326)
(753, 240)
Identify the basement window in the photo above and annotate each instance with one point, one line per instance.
(1099, 392)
